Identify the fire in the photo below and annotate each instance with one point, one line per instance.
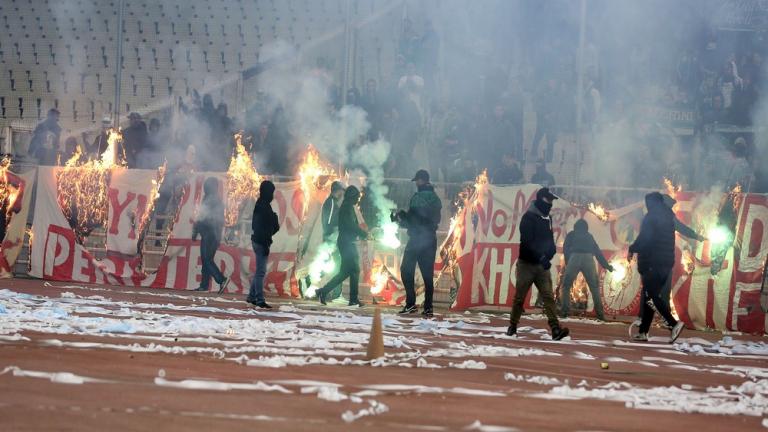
(314, 174)
(735, 196)
(599, 211)
(82, 187)
(482, 178)
(619, 270)
(672, 189)
(379, 278)
(153, 195)
(242, 181)
(8, 192)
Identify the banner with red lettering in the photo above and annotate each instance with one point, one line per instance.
(56, 254)
(485, 245)
(15, 203)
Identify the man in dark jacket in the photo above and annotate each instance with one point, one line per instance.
(264, 225)
(537, 247)
(135, 140)
(579, 250)
(508, 172)
(330, 216)
(421, 220)
(209, 225)
(349, 232)
(542, 176)
(45, 139)
(666, 292)
(655, 246)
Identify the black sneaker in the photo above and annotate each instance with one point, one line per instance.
(223, 285)
(321, 298)
(408, 310)
(251, 301)
(357, 303)
(559, 333)
(263, 305)
(512, 330)
(206, 289)
(427, 313)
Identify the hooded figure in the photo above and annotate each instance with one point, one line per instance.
(330, 210)
(264, 225)
(45, 139)
(537, 247)
(579, 250)
(655, 246)
(684, 231)
(209, 225)
(349, 232)
(421, 220)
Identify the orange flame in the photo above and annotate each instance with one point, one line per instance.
(314, 174)
(687, 262)
(153, 195)
(482, 178)
(672, 188)
(8, 192)
(242, 181)
(82, 186)
(379, 278)
(599, 211)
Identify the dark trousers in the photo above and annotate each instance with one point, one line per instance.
(526, 275)
(653, 287)
(335, 291)
(419, 251)
(666, 295)
(208, 246)
(350, 268)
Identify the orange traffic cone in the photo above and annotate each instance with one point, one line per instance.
(376, 341)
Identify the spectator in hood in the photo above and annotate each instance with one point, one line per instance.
(209, 226)
(655, 246)
(264, 225)
(537, 247)
(45, 139)
(580, 249)
(421, 220)
(100, 143)
(666, 292)
(542, 176)
(135, 140)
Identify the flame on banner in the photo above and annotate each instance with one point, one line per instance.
(599, 211)
(242, 181)
(687, 261)
(379, 278)
(8, 192)
(82, 186)
(154, 193)
(314, 174)
(672, 188)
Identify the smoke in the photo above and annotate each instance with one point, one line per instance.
(371, 157)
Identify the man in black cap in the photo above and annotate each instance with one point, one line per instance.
(264, 225)
(330, 215)
(135, 138)
(537, 247)
(421, 220)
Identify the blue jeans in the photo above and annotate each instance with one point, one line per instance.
(256, 292)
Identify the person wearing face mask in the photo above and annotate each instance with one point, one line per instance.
(537, 247)
(349, 232)
(265, 225)
(209, 225)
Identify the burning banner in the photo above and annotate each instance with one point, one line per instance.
(15, 197)
(482, 247)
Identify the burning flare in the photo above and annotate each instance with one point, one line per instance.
(672, 188)
(314, 174)
(379, 278)
(82, 187)
(242, 181)
(8, 192)
(619, 270)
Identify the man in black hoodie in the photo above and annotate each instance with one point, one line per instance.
(666, 292)
(330, 215)
(209, 225)
(264, 225)
(537, 247)
(580, 249)
(349, 232)
(655, 246)
(421, 220)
